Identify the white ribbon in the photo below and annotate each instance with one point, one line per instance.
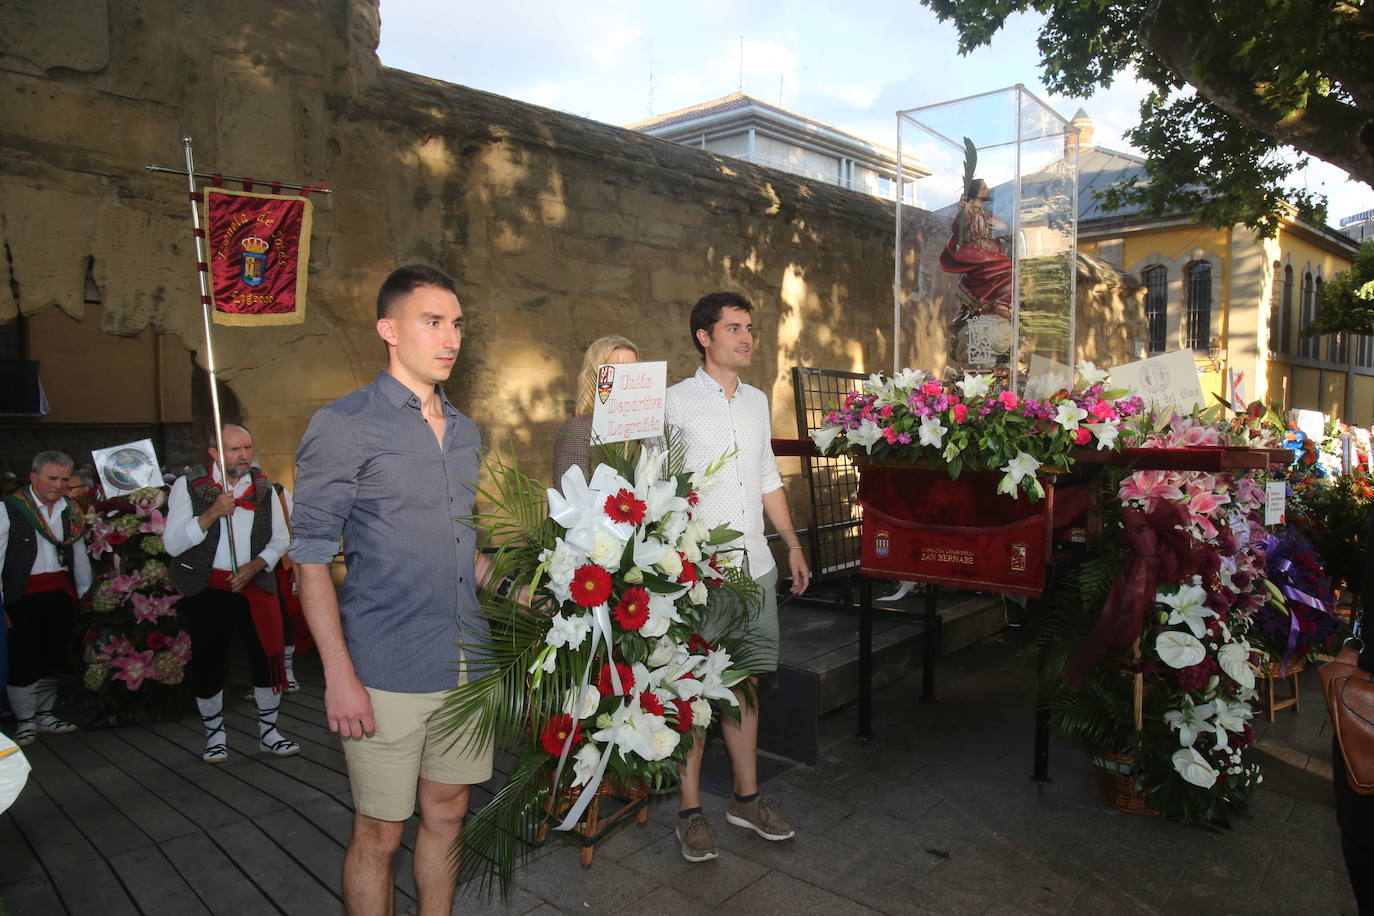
(601, 632)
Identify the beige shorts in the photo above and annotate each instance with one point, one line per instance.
(385, 768)
(760, 630)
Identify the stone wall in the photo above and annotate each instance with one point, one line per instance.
(558, 229)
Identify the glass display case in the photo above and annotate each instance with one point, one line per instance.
(986, 241)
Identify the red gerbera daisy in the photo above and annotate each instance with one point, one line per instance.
(633, 610)
(650, 703)
(684, 715)
(623, 507)
(591, 585)
(556, 732)
(627, 679)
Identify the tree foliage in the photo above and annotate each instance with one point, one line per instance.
(1347, 300)
(1234, 84)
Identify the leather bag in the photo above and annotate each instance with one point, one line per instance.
(1349, 696)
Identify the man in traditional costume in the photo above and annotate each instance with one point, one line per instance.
(227, 590)
(45, 570)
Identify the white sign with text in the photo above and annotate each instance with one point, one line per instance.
(629, 401)
(1168, 380)
(1275, 502)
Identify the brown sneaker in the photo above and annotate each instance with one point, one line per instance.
(697, 839)
(761, 817)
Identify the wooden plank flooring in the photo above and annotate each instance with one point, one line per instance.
(132, 821)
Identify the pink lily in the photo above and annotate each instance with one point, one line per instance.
(123, 583)
(133, 668)
(147, 608)
(155, 524)
(180, 646)
(1149, 487)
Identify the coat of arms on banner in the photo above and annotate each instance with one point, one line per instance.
(259, 248)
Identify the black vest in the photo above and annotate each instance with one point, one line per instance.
(22, 551)
(190, 572)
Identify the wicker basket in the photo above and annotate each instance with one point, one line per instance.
(1116, 783)
(1269, 667)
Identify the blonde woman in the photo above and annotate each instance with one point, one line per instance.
(571, 446)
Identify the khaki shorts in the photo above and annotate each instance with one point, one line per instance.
(761, 630)
(384, 769)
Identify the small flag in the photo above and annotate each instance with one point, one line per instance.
(259, 248)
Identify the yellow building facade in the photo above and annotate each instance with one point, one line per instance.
(1236, 300)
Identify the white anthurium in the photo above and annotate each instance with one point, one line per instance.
(975, 386)
(1105, 433)
(866, 435)
(1021, 467)
(1189, 720)
(932, 432)
(1090, 374)
(1234, 659)
(591, 699)
(568, 631)
(584, 763)
(1194, 768)
(1069, 414)
(1178, 649)
(1230, 717)
(1186, 607)
(825, 436)
(701, 713)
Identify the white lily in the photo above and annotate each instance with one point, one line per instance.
(1230, 717)
(662, 612)
(975, 386)
(1105, 433)
(1189, 720)
(648, 551)
(907, 379)
(1090, 374)
(709, 673)
(1194, 768)
(1069, 414)
(1022, 466)
(1007, 485)
(874, 384)
(1187, 607)
(866, 435)
(1178, 649)
(933, 431)
(824, 436)
(660, 497)
(584, 763)
(649, 467)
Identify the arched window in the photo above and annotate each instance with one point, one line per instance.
(1156, 279)
(1308, 346)
(1197, 278)
(1286, 320)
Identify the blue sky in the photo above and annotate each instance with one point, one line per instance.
(848, 65)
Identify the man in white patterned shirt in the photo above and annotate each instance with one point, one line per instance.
(714, 413)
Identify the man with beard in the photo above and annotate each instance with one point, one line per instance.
(226, 593)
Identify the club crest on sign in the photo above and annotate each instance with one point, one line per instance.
(882, 543)
(1017, 556)
(254, 261)
(605, 381)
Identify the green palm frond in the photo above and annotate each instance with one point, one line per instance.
(676, 446)
(501, 834)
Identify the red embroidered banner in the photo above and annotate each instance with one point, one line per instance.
(259, 247)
